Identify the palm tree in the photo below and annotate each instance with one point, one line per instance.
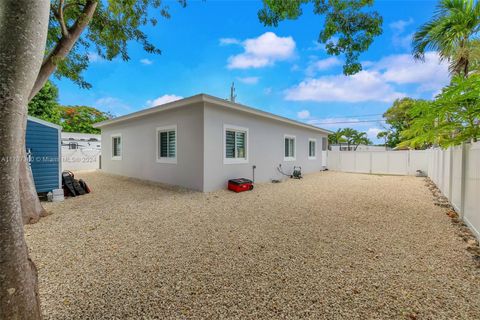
(349, 135)
(360, 138)
(336, 137)
(452, 32)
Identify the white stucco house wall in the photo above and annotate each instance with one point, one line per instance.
(202, 141)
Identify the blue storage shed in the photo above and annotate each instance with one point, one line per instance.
(43, 143)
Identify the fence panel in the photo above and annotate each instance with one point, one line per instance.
(471, 212)
(419, 160)
(457, 173)
(379, 162)
(362, 162)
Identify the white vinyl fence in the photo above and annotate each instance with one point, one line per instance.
(405, 162)
(455, 171)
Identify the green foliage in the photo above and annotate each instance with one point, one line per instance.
(359, 138)
(349, 136)
(385, 136)
(398, 119)
(348, 28)
(81, 118)
(452, 118)
(336, 137)
(453, 32)
(72, 119)
(45, 104)
(115, 23)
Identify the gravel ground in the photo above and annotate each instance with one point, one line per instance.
(330, 246)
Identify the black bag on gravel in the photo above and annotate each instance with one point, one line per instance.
(71, 186)
(78, 187)
(84, 186)
(67, 183)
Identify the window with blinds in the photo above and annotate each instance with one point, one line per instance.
(312, 145)
(289, 148)
(116, 147)
(167, 144)
(235, 145)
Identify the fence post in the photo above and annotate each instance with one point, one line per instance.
(463, 179)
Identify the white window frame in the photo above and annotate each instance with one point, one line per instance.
(159, 159)
(229, 127)
(116, 135)
(315, 149)
(285, 158)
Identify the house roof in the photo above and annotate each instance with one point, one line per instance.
(45, 123)
(210, 99)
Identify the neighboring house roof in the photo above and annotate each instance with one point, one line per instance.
(45, 123)
(209, 99)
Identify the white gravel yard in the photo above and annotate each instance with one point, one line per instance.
(330, 246)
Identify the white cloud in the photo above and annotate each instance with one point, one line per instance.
(228, 41)
(263, 51)
(268, 90)
(399, 39)
(431, 74)
(94, 57)
(249, 80)
(113, 105)
(323, 64)
(146, 62)
(363, 86)
(316, 46)
(378, 82)
(166, 98)
(400, 25)
(304, 114)
(372, 133)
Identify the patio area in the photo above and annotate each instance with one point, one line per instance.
(330, 246)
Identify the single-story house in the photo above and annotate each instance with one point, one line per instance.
(43, 141)
(202, 141)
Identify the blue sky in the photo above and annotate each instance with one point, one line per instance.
(283, 70)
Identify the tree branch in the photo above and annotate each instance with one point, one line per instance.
(61, 19)
(64, 46)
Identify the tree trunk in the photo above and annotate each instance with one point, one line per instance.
(32, 209)
(23, 32)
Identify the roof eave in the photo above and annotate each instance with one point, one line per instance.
(145, 112)
(210, 99)
(44, 122)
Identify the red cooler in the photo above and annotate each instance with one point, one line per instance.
(240, 185)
